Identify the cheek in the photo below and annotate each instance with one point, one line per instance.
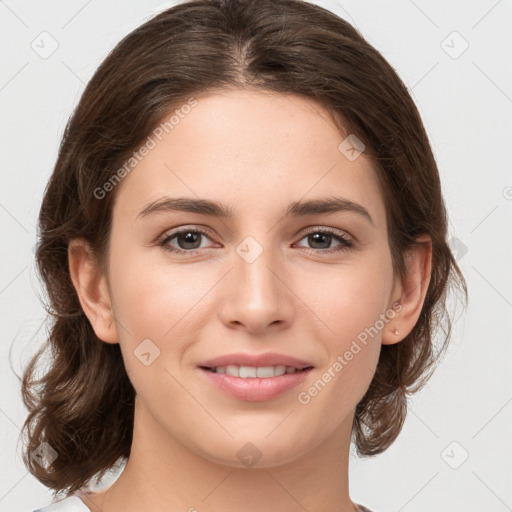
(151, 295)
(151, 303)
(160, 302)
(350, 303)
(349, 298)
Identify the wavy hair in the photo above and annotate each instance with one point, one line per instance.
(83, 404)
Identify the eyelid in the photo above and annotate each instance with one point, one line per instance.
(310, 229)
(347, 240)
(171, 233)
(334, 231)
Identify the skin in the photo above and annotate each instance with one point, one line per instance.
(255, 152)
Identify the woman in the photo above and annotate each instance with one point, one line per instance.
(244, 247)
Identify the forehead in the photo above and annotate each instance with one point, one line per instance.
(251, 150)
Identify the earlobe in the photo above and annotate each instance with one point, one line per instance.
(92, 290)
(412, 290)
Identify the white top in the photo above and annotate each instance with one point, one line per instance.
(69, 504)
(75, 504)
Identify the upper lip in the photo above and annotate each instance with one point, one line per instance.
(257, 360)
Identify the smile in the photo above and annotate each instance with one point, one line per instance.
(251, 372)
(251, 383)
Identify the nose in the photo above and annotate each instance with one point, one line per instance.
(257, 295)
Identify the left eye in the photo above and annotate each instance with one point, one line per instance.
(189, 240)
(325, 237)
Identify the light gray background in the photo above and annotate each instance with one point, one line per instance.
(466, 104)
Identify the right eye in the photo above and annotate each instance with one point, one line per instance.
(189, 239)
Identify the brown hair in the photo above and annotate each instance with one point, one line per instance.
(83, 406)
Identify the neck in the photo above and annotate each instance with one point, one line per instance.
(162, 474)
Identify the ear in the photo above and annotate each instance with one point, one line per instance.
(92, 290)
(410, 292)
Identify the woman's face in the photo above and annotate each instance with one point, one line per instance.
(314, 285)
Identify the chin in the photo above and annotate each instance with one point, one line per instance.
(260, 453)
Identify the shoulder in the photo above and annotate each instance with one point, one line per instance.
(362, 508)
(75, 504)
(69, 504)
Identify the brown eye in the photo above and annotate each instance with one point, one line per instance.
(321, 240)
(187, 240)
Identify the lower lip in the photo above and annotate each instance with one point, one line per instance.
(256, 389)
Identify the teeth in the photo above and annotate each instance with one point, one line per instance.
(263, 371)
(251, 372)
(232, 370)
(247, 371)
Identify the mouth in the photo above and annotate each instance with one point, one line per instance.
(254, 372)
(254, 383)
(255, 376)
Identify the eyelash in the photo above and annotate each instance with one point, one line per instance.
(346, 243)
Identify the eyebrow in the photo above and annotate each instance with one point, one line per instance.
(217, 209)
